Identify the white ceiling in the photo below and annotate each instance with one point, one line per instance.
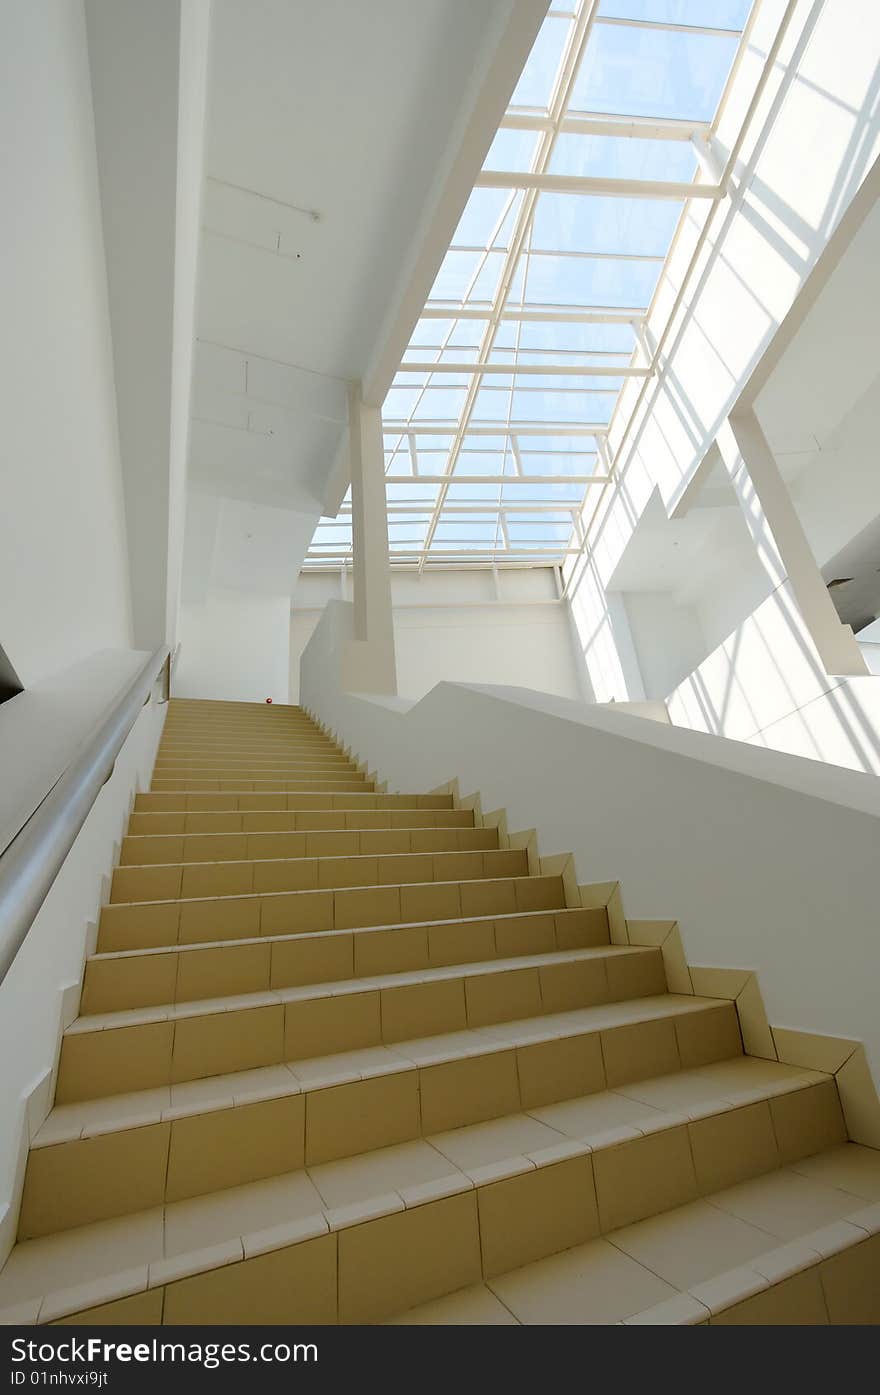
(344, 111)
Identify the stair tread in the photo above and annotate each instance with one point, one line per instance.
(199, 945)
(830, 1198)
(127, 1017)
(686, 1265)
(84, 1117)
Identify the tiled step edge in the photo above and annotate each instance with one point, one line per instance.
(425, 1242)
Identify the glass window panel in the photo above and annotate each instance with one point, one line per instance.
(535, 85)
(623, 157)
(482, 213)
(565, 382)
(573, 281)
(473, 493)
(590, 223)
(561, 407)
(720, 14)
(431, 332)
(538, 532)
(653, 72)
(399, 403)
(585, 339)
(467, 332)
(559, 445)
(491, 404)
(485, 462)
(571, 464)
(545, 493)
(461, 274)
(411, 493)
(470, 532)
(438, 404)
(511, 150)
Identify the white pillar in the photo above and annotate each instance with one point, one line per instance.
(781, 542)
(370, 665)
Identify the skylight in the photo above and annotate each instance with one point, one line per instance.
(496, 421)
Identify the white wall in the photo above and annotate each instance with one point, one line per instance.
(767, 862)
(837, 495)
(40, 995)
(667, 638)
(64, 588)
(461, 627)
(234, 647)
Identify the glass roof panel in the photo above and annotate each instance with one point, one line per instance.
(535, 85)
(722, 14)
(621, 157)
(639, 71)
(487, 467)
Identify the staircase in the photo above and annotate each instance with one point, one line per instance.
(342, 1058)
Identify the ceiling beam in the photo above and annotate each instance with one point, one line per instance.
(590, 124)
(578, 370)
(496, 479)
(592, 184)
(556, 314)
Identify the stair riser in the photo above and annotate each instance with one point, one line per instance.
(281, 769)
(133, 1169)
(146, 980)
(278, 782)
(150, 925)
(98, 1063)
(282, 820)
(304, 801)
(188, 880)
(237, 751)
(219, 847)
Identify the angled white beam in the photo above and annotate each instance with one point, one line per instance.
(669, 26)
(594, 184)
(711, 166)
(571, 315)
(451, 192)
(499, 428)
(577, 370)
(493, 479)
(590, 124)
(566, 506)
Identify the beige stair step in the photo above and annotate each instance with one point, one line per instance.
(186, 1041)
(144, 924)
(138, 978)
(170, 881)
(201, 783)
(285, 820)
(185, 1155)
(800, 1246)
(358, 1241)
(252, 770)
(189, 801)
(142, 851)
(373, 1097)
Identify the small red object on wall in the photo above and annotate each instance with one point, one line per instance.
(268, 699)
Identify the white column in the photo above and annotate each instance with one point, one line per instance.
(370, 665)
(781, 542)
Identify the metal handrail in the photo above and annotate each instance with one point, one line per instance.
(32, 861)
